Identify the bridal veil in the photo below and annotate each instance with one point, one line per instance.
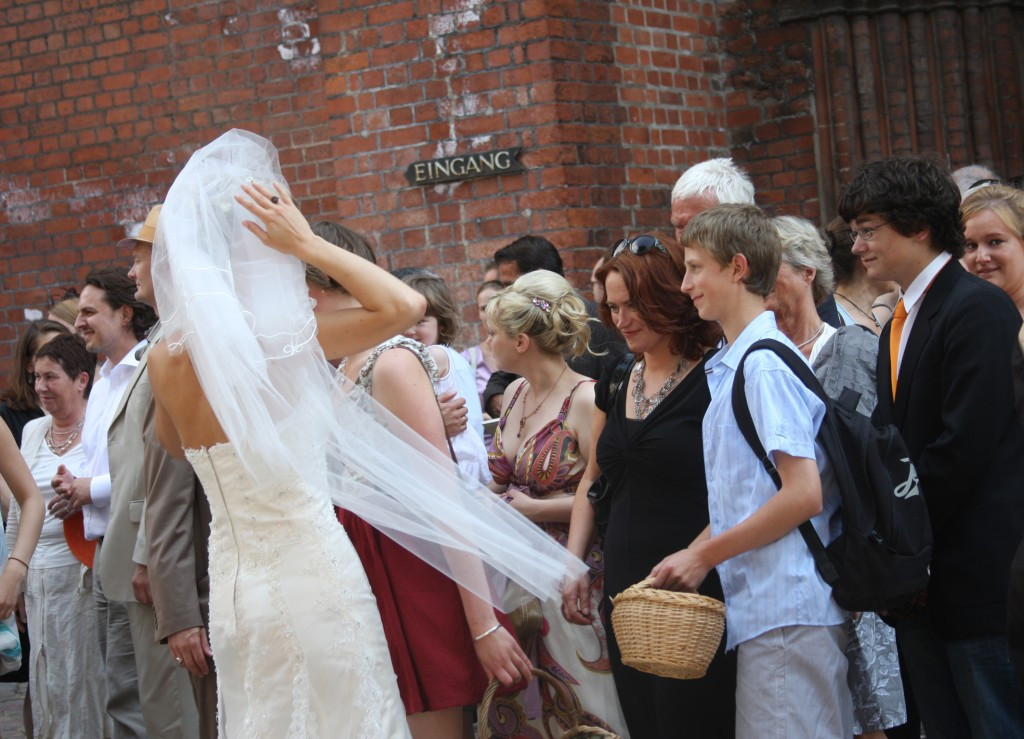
(242, 312)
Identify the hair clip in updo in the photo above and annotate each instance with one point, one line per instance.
(541, 303)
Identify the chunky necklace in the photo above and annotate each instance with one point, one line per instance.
(815, 335)
(642, 405)
(527, 416)
(59, 449)
(866, 314)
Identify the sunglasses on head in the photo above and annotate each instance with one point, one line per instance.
(640, 245)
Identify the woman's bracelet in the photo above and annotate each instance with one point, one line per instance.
(488, 632)
(18, 559)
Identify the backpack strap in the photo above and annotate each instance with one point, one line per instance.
(745, 422)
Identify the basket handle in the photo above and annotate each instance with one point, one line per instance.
(635, 587)
(566, 699)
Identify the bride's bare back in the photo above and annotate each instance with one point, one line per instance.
(184, 418)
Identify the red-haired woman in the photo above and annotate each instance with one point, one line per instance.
(648, 444)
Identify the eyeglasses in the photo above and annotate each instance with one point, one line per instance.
(640, 245)
(866, 234)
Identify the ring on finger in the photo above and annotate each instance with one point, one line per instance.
(275, 200)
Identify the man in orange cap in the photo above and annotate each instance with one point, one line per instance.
(146, 692)
(177, 529)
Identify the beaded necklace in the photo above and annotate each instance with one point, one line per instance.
(642, 405)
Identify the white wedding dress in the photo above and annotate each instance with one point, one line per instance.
(294, 628)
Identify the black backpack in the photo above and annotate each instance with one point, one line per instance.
(880, 560)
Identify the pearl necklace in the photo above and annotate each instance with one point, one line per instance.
(59, 449)
(642, 405)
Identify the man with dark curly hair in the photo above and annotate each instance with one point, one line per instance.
(944, 380)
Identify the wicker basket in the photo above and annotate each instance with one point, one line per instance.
(667, 633)
(565, 698)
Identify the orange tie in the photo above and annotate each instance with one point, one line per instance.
(899, 317)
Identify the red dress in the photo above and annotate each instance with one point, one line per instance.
(430, 644)
(424, 622)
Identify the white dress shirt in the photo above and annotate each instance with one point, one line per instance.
(99, 413)
(914, 296)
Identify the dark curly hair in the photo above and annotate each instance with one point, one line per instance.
(653, 281)
(119, 291)
(912, 194)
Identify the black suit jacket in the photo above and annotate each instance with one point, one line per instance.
(955, 409)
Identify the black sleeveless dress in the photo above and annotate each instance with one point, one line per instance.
(656, 469)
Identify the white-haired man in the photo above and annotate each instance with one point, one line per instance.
(705, 185)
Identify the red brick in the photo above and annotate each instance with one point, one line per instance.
(607, 114)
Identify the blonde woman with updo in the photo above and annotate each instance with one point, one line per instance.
(538, 456)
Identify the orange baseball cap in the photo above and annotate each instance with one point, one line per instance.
(148, 230)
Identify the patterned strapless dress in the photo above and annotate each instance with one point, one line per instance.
(549, 465)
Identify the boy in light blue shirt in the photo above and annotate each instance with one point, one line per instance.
(789, 633)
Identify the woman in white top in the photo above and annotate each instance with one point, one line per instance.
(437, 329)
(67, 699)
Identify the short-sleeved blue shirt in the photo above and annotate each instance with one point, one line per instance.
(777, 584)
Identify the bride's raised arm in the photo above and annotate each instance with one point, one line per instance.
(387, 306)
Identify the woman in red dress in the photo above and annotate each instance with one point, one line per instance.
(446, 644)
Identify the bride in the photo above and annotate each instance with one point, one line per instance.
(242, 385)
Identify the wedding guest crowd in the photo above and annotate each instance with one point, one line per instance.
(913, 298)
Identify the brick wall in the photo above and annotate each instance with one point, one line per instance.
(102, 101)
(815, 88)
(770, 105)
(607, 102)
(671, 95)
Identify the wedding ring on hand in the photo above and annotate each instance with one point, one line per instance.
(178, 660)
(275, 200)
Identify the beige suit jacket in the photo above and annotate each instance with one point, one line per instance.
(121, 542)
(177, 525)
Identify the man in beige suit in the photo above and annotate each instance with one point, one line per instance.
(147, 695)
(177, 528)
